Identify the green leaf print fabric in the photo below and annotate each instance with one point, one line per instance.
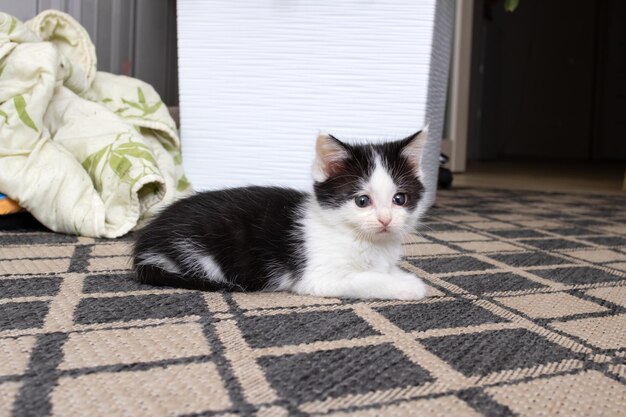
(86, 152)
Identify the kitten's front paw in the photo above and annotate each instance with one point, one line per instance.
(413, 289)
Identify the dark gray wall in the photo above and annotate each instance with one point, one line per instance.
(610, 115)
(132, 37)
(535, 85)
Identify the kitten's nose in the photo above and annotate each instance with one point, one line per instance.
(384, 221)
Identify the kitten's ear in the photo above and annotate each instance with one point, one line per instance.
(329, 156)
(413, 146)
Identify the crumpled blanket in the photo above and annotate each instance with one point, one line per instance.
(86, 152)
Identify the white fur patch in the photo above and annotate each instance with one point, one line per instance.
(280, 282)
(196, 262)
(381, 188)
(158, 260)
(211, 268)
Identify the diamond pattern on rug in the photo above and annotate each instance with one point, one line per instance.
(338, 372)
(517, 348)
(421, 317)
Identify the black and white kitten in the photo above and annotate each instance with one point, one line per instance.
(343, 240)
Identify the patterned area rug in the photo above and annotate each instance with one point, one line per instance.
(527, 317)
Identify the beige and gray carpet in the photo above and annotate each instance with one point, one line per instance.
(527, 318)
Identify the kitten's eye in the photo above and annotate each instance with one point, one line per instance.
(362, 201)
(399, 199)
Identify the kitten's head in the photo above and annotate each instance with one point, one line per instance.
(374, 189)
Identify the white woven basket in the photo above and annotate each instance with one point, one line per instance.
(260, 78)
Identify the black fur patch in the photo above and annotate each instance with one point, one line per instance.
(402, 171)
(348, 178)
(250, 232)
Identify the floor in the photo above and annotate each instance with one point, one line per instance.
(605, 177)
(527, 313)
